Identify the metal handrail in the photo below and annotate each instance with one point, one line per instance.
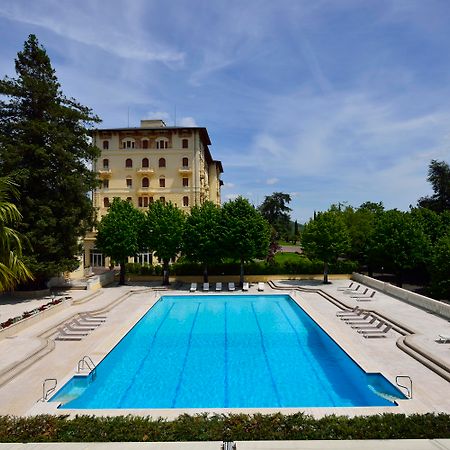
(408, 389)
(86, 361)
(46, 391)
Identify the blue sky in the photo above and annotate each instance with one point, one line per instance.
(328, 100)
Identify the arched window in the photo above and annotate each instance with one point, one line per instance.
(144, 162)
(185, 182)
(145, 182)
(163, 199)
(185, 143)
(106, 163)
(128, 143)
(105, 145)
(128, 162)
(106, 202)
(129, 199)
(105, 184)
(161, 144)
(145, 143)
(162, 162)
(162, 182)
(185, 162)
(129, 182)
(186, 201)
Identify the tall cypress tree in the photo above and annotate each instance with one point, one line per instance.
(45, 149)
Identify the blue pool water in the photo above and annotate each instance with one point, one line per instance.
(227, 352)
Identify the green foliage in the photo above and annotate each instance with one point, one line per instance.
(440, 268)
(202, 235)
(246, 234)
(398, 242)
(326, 238)
(44, 148)
(275, 210)
(439, 178)
(118, 234)
(224, 427)
(163, 232)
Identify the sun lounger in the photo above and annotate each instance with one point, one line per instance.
(205, 287)
(260, 286)
(386, 328)
(345, 288)
(218, 286)
(85, 325)
(231, 286)
(443, 339)
(365, 299)
(90, 317)
(361, 294)
(352, 291)
(245, 286)
(63, 335)
(364, 324)
(364, 315)
(193, 287)
(69, 327)
(352, 312)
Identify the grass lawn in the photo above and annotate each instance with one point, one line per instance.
(282, 257)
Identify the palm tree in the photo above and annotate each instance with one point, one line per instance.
(12, 268)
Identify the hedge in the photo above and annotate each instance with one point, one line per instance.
(231, 427)
(303, 266)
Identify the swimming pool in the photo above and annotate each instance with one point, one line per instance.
(227, 351)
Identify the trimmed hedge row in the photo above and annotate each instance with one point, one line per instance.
(232, 427)
(301, 267)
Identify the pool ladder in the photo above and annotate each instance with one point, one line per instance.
(228, 446)
(47, 390)
(86, 362)
(409, 389)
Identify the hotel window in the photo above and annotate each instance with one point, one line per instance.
(106, 202)
(185, 162)
(105, 145)
(145, 143)
(106, 164)
(162, 182)
(105, 184)
(185, 201)
(140, 202)
(145, 162)
(145, 202)
(163, 199)
(129, 199)
(185, 143)
(145, 182)
(185, 182)
(128, 163)
(150, 199)
(162, 162)
(129, 183)
(129, 143)
(161, 144)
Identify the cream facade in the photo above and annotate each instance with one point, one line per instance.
(153, 162)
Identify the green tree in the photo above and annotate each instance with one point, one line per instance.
(275, 210)
(12, 268)
(398, 243)
(439, 177)
(163, 233)
(119, 233)
(246, 232)
(45, 149)
(202, 236)
(440, 268)
(326, 238)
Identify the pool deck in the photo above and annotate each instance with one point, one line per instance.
(31, 355)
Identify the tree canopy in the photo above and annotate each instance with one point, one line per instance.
(439, 178)
(326, 238)
(275, 210)
(202, 235)
(45, 149)
(119, 233)
(163, 232)
(246, 234)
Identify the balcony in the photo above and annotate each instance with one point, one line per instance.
(146, 171)
(104, 173)
(185, 170)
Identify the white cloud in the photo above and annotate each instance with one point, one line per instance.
(228, 185)
(272, 181)
(163, 115)
(187, 122)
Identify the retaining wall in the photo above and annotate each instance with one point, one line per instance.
(440, 308)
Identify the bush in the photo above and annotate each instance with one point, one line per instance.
(230, 427)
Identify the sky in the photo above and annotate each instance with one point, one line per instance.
(330, 101)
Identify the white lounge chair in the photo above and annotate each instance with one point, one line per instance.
(443, 339)
(88, 317)
(347, 287)
(245, 286)
(365, 299)
(231, 286)
(376, 331)
(218, 286)
(205, 287)
(349, 312)
(193, 287)
(85, 325)
(260, 286)
(64, 336)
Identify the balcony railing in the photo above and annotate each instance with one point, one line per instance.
(185, 169)
(146, 170)
(104, 173)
